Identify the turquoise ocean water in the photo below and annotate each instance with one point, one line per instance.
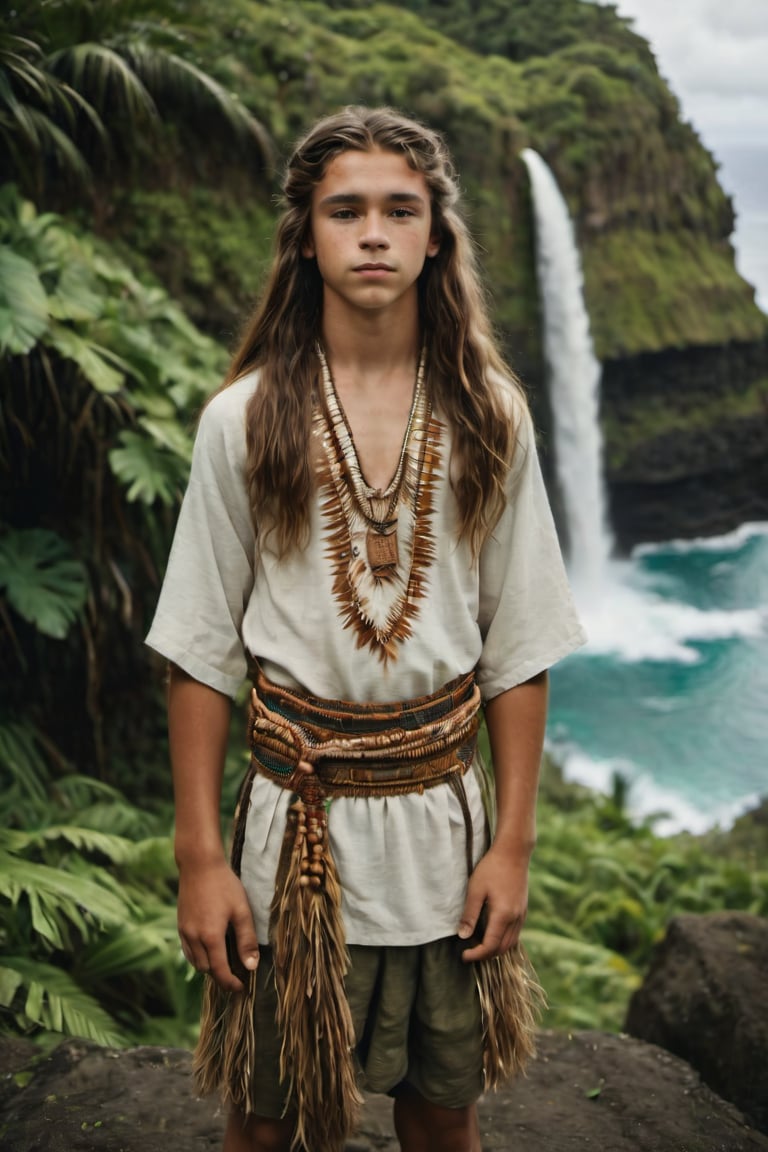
(672, 689)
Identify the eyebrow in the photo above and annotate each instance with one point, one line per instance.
(356, 198)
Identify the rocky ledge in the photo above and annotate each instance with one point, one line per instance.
(587, 1090)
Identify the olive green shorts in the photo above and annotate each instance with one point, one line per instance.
(416, 1014)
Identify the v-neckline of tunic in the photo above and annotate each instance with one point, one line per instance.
(365, 492)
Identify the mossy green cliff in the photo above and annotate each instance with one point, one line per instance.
(568, 78)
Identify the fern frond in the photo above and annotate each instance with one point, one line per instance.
(54, 1001)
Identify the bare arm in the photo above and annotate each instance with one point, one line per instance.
(515, 721)
(211, 897)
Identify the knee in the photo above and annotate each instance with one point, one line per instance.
(426, 1127)
(453, 1129)
(257, 1134)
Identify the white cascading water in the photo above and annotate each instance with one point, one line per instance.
(574, 385)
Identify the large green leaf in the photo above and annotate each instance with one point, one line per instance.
(77, 296)
(55, 1002)
(100, 367)
(42, 580)
(150, 472)
(169, 434)
(23, 304)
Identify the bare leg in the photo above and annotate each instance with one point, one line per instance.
(425, 1127)
(257, 1134)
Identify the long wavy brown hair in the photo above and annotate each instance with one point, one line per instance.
(466, 373)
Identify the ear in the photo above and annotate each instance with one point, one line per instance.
(433, 247)
(308, 246)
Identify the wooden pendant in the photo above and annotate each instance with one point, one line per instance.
(382, 551)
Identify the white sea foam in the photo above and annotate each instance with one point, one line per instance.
(671, 812)
(632, 621)
(729, 542)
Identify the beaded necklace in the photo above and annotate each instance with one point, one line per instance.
(378, 508)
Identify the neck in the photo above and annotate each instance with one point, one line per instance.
(372, 344)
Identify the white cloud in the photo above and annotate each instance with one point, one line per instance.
(714, 54)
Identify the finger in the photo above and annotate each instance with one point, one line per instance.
(219, 968)
(195, 953)
(490, 943)
(510, 938)
(469, 917)
(246, 940)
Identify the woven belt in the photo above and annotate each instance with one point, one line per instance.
(363, 749)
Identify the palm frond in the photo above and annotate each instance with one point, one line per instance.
(108, 82)
(188, 95)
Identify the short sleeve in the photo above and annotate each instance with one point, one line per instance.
(526, 613)
(209, 578)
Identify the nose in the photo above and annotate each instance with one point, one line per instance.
(373, 234)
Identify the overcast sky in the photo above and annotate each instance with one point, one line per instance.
(714, 55)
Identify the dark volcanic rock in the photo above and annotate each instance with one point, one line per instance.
(686, 432)
(705, 998)
(588, 1091)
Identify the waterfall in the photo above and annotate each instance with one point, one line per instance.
(573, 375)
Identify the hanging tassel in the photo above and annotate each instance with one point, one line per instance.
(224, 1057)
(223, 1060)
(311, 961)
(512, 1001)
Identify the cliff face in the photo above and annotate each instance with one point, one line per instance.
(686, 436)
(677, 329)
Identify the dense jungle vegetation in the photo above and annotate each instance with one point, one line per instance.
(136, 206)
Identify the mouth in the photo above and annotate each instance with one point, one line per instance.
(371, 267)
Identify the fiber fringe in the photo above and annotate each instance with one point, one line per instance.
(311, 961)
(223, 1059)
(512, 1001)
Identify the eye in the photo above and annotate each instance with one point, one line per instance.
(343, 214)
(402, 213)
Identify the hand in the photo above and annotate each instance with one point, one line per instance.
(211, 900)
(497, 889)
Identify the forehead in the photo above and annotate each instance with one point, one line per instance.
(380, 171)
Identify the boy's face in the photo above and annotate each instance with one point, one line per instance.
(370, 230)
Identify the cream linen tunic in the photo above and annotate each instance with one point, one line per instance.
(509, 615)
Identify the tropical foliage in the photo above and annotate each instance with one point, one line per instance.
(603, 890)
(87, 924)
(99, 375)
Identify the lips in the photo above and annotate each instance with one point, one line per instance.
(374, 268)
